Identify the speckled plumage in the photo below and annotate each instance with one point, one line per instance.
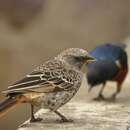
(57, 84)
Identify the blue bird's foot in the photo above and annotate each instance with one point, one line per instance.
(99, 98)
(112, 98)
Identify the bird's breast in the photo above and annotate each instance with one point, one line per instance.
(54, 100)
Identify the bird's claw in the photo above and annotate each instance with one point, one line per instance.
(65, 120)
(99, 98)
(112, 98)
(36, 120)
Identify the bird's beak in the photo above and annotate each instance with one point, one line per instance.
(90, 59)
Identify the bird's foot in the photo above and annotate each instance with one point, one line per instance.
(99, 98)
(65, 120)
(112, 98)
(36, 119)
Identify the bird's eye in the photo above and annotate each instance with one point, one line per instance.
(79, 58)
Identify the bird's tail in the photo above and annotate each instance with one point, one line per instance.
(121, 45)
(9, 103)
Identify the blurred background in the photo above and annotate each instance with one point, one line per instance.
(32, 31)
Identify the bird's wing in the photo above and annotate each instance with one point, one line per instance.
(108, 52)
(49, 77)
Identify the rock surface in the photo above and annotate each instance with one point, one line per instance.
(85, 116)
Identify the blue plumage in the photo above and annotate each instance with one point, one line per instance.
(101, 71)
(111, 65)
(109, 52)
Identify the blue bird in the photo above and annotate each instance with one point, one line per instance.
(111, 65)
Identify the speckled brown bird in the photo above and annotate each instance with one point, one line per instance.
(50, 85)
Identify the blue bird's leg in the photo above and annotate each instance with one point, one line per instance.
(113, 97)
(101, 91)
(100, 95)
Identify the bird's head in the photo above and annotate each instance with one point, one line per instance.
(76, 57)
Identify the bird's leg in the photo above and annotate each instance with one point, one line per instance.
(33, 119)
(101, 91)
(100, 95)
(63, 118)
(113, 97)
